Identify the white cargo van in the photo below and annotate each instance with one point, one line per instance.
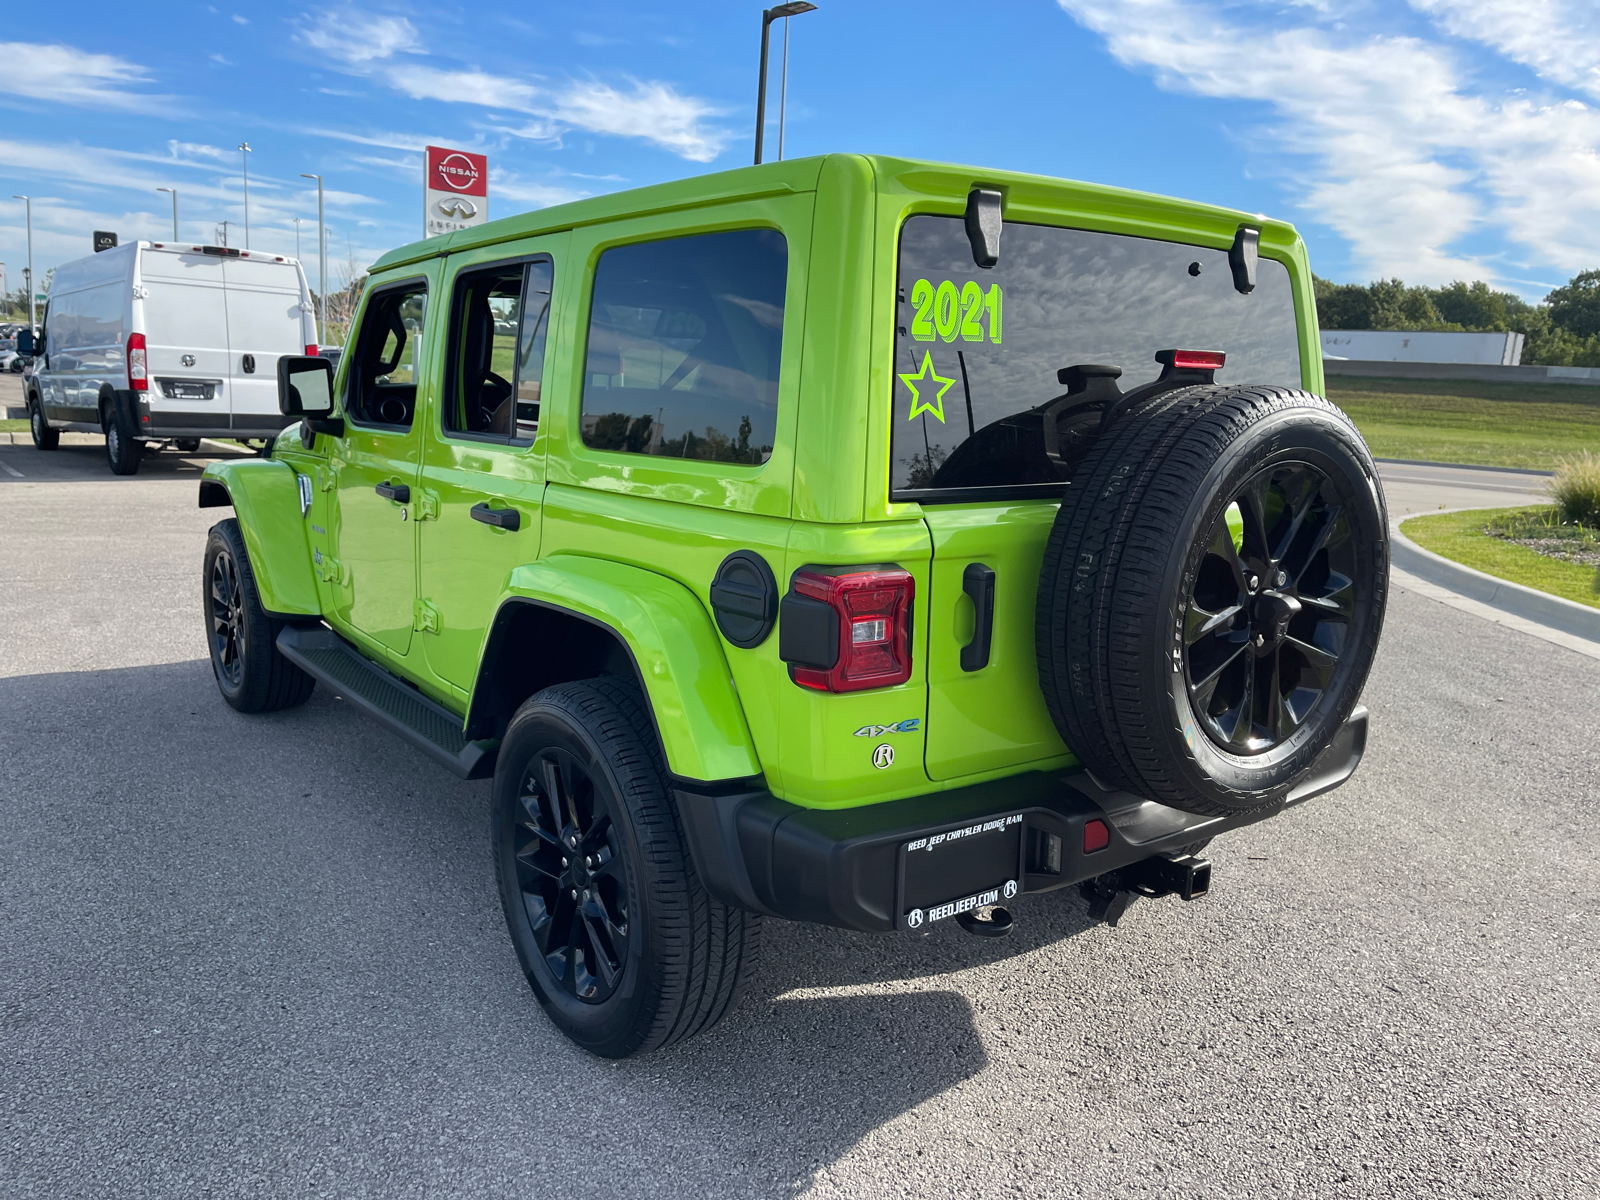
(152, 342)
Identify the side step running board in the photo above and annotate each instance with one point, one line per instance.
(430, 727)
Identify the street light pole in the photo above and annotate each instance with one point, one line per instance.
(244, 158)
(31, 309)
(297, 237)
(768, 16)
(174, 192)
(322, 262)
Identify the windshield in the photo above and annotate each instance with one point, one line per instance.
(977, 351)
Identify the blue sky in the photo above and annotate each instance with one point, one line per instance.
(1433, 140)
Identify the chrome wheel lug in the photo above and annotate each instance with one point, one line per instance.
(1283, 578)
(1255, 582)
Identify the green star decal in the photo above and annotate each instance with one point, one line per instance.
(926, 376)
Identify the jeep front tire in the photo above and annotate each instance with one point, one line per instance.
(243, 639)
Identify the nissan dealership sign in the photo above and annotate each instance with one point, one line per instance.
(455, 191)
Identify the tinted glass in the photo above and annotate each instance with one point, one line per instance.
(535, 328)
(977, 351)
(381, 384)
(684, 339)
(483, 361)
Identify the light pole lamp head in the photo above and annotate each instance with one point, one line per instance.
(793, 9)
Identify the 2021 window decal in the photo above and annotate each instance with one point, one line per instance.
(945, 312)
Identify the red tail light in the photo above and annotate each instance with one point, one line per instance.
(311, 350)
(870, 629)
(138, 367)
(1198, 360)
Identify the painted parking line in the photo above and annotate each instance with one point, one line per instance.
(12, 471)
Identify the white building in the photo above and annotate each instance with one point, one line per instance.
(1371, 345)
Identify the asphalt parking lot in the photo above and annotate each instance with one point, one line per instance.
(264, 955)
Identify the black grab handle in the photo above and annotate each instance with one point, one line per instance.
(977, 581)
(398, 492)
(500, 518)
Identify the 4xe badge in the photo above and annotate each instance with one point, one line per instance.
(910, 725)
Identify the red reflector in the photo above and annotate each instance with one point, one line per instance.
(158, 245)
(1096, 836)
(874, 611)
(311, 350)
(1198, 360)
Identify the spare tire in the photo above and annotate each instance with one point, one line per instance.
(1198, 661)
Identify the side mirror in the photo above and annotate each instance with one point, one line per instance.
(305, 386)
(25, 341)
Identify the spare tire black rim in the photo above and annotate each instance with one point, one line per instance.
(569, 871)
(1271, 610)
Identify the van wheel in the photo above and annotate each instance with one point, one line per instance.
(44, 438)
(122, 451)
(1212, 594)
(622, 945)
(251, 674)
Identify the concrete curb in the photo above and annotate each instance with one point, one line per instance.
(1568, 616)
(1423, 462)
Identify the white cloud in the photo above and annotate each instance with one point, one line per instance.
(1393, 143)
(1559, 39)
(651, 112)
(355, 37)
(238, 20)
(68, 75)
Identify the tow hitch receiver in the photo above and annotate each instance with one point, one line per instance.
(1163, 875)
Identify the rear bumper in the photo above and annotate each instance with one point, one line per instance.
(847, 867)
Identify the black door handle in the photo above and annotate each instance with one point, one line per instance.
(500, 518)
(398, 492)
(977, 581)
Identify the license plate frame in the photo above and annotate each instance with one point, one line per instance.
(954, 871)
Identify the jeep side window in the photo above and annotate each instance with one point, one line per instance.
(530, 357)
(684, 342)
(381, 387)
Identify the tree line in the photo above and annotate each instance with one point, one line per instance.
(1562, 330)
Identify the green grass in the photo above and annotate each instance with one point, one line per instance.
(9, 426)
(1492, 424)
(1460, 537)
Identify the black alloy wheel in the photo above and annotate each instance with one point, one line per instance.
(1271, 609)
(617, 938)
(240, 634)
(227, 620)
(570, 873)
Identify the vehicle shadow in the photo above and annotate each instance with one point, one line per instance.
(83, 460)
(292, 919)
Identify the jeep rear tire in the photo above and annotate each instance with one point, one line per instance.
(622, 945)
(251, 675)
(1190, 664)
(44, 438)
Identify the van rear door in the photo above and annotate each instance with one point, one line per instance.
(266, 320)
(186, 339)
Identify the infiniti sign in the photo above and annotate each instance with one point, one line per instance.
(455, 191)
(457, 206)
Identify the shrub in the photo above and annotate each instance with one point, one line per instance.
(1576, 489)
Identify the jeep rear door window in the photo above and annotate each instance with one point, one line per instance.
(977, 350)
(499, 319)
(381, 384)
(684, 341)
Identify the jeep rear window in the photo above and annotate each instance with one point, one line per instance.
(684, 338)
(977, 350)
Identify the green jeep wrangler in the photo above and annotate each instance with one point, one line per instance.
(847, 539)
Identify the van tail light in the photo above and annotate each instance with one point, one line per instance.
(848, 629)
(311, 350)
(138, 366)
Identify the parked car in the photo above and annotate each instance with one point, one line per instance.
(153, 342)
(850, 540)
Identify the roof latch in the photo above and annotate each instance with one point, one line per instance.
(983, 226)
(1241, 257)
